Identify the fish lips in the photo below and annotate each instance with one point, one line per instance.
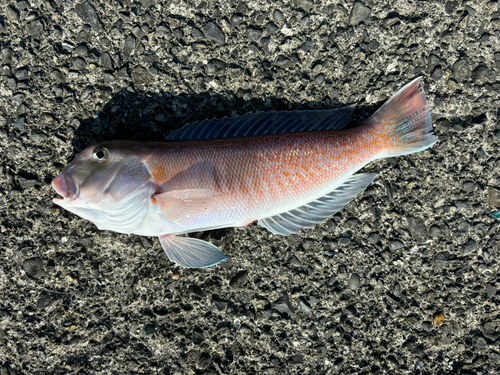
(66, 187)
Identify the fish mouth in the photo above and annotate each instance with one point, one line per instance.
(66, 187)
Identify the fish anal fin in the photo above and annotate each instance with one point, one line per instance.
(315, 212)
(191, 252)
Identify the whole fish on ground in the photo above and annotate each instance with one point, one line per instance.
(289, 170)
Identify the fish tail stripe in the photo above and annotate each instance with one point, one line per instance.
(404, 122)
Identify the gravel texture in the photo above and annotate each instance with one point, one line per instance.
(404, 280)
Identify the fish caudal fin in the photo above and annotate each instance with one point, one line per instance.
(405, 122)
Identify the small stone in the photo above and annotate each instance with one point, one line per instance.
(468, 187)
(204, 362)
(79, 63)
(122, 73)
(45, 300)
(417, 229)
(359, 13)
(319, 79)
(495, 23)
(214, 33)
(12, 84)
(106, 61)
(12, 13)
(21, 74)
(242, 8)
(153, 71)
(239, 279)
(461, 70)
(5, 70)
(480, 74)
(218, 304)
(236, 19)
(283, 305)
(163, 30)
(296, 359)
(480, 344)
(149, 329)
(305, 4)
(254, 34)
(354, 281)
(469, 247)
(271, 27)
(147, 3)
(464, 22)
(141, 76)
(245, 330)
(178, 33)
(444, 259)
(128, 47)
(373, 45)
(320, 350)
(304, 305)
(216, 67)
(137, 31)
(109, 77)
(35, 29)
(7, 55)
(88, 15)
(438, 319)
(434, 231)
(437, 74)
(46, 119)
(493, 197)
(283, 62)
(395, 245)
(450, 7)
(277, 14)
(82, 50)
(306, 46)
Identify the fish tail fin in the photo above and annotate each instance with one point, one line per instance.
(404, 121)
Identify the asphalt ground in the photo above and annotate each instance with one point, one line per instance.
(404, 280)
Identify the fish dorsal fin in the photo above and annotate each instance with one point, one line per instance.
(261, 123)
(315, 212)
(191, 252)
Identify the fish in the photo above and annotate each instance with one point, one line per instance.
(287, 170)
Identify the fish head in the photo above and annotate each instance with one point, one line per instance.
(109, 184)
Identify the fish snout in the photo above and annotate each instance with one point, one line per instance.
(66, 187)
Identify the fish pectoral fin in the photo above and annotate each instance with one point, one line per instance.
(191, 252)
(315, 212)
(184, 204)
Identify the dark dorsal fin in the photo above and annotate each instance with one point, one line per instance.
(261, 123)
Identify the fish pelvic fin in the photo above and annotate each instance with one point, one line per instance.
(191, 252)
(404, 122)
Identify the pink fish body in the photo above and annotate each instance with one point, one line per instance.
(288, 170)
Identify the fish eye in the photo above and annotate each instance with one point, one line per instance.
(100, 153)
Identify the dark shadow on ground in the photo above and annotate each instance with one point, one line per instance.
(147, 116)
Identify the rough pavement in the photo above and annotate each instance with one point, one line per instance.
(404, 280)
